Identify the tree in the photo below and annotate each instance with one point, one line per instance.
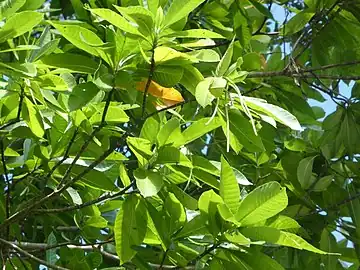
(177, 134)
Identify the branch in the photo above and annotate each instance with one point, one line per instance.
(86, 247)
(66, 154)
(27, 210)
(80, 206)
(206, 252)
(61, 228)
(333, 206)
(149, 79)
(8, 188)
(301, 74)
(170, 107)
(27, 254)
(264, 21)
(89, 139)
(321, 29)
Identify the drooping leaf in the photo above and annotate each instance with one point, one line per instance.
(72, 62)
(229, 187)
(276, 112)
(304, 172)
(33, 118)
(275, 236)
(130, 227)
(225, 61)
(202, 93)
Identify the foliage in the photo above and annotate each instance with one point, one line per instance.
(178, 134)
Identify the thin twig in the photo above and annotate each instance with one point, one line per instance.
(89, 139)
(206, 252)
(80, 206)
(65, 156)
(27, 254)
(27, 210)
(320, 30)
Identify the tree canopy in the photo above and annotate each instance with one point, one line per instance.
(178, 134)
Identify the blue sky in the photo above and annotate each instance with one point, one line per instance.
(329, 106)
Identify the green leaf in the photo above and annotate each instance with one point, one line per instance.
(275, 236)
(191, 78)
(206, 55)
(186, 200)
(152, 5)
(149, 183)
(276, 112)
(166, 131)
(130, 227)
(229, 187)
(9, 7)
(139, 15)
(91, 179)
(51, 257)
(297, 23)
(32, 4)
(32, 118)
(196, 226)
(195, 33)
(81, 95)
(150, 129)
(116, 20)
(168, 76)
(27, 69)
(124, 177)
(225, 61)
(208, 203)
(172, 155)
(141, 148)
(180, 9)
(72, 62)
(259, 261)
(304, 172)
(262, 203)
(115, 115)
(19, 24)
(237, 238)
(82, 38)
(323, 183)
(295, 144)
(52, 82)
(202, 93)
(262, 9)
(199, 128)
(283, 223)
(243, 131)
(175, 213)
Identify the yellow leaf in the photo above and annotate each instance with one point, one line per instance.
(167, 95)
